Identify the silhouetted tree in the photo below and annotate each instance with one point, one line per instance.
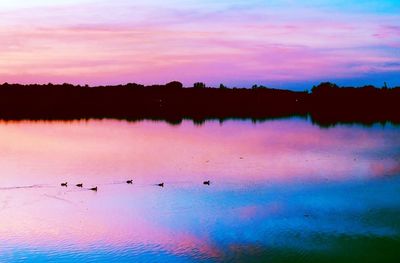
(324, 87)
(174, 85)
(199, 85)
(385, 87)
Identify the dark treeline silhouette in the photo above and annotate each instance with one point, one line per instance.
(327, 104)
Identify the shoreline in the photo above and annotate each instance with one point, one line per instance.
(326, 104)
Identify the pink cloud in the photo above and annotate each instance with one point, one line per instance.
(159, 45)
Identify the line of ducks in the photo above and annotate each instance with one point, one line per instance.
(128, 182)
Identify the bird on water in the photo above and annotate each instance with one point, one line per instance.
(79, 185)
(129, 182)
(161, 184)
(206, 182)
(64, 184)
(93, 189)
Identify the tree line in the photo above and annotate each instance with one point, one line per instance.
(327, 104)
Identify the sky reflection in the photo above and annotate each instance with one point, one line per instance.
(109, 151)
(282, 185)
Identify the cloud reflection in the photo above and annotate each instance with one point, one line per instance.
(275, 185)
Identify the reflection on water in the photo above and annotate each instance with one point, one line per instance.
(280, 191)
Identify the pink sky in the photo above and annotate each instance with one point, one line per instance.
(239, 43)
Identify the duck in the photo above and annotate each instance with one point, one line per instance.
(93, 189)
(206, 182)
(129, 182)
(79, 185)
(161, 184)
(64, 184)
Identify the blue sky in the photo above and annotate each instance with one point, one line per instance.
(239, 43)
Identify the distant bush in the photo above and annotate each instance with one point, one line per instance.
(174, 85)
(324, 87)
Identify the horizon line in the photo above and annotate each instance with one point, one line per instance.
(385, 85)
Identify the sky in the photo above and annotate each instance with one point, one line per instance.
(278, 43)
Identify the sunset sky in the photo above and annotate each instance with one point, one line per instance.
(278, 43)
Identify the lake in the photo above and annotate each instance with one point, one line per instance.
(280, 190)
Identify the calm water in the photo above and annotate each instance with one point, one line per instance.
(283, 190)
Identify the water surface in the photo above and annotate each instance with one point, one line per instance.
(283, 190)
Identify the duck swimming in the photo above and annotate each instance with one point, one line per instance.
(206, 182)
(93, 189)
(161, 184)
(64, 184)
(79, 185)
(129, 182)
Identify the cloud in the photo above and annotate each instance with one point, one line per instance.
(215, 42)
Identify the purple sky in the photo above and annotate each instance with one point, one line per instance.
(239, 43)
